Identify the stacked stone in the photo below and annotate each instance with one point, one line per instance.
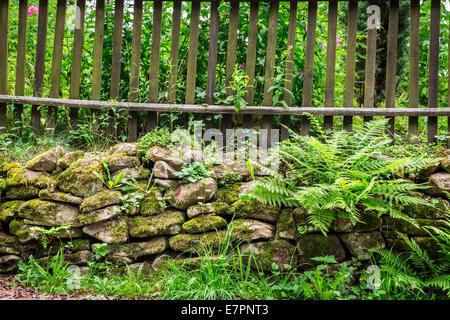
(180, 219)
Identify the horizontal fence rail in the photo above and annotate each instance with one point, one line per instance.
(157, 103)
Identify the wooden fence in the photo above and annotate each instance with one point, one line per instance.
(348, 110)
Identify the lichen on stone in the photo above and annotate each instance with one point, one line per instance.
(204, 223)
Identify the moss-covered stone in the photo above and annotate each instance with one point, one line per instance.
(130, 174)
(286, 228)
(9, 244)
(319, 245)
(99, 215)
(80, 180)
(152, 204)
(229, 194)
(197, 243)
(120, 161)
(445, 164)
(49, 195)
(370, 221)
(22, 192)
(130, 149)
(256, 210)
(8, 263)
(100, 200)
(167, 223)
(80, 258)
(112, 231)
(46, 213)
(204, 223)
(216, 208)
(440, 184)
(65, 162)
(438, 209)
(392, 224)
(359, 243)
(46, 161)
(136, 250)
(18, 176)
(24, 232)
(189, 194)
(264, 254)
(3, 164)
(250, 230)
(9, 210)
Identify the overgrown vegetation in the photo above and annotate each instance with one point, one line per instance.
(342, 175)
(225, 273)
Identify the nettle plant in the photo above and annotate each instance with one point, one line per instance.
(343, 174)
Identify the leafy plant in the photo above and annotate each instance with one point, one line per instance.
(131, 201)
(193, 172)
(107, 180)
(52, 232)
(52, 276)
(238, 86)
(343, 174)
(413, 271)
(157, 137)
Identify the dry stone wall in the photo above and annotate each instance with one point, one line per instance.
(178, 219)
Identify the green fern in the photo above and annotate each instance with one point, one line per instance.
(343, 173)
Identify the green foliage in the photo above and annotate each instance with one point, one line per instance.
(342, 174)
(193, 172)
(238, 86)
(52, 232)
(107, 180)
(52, 277)
(157, 137)
(413, 272)
(131, 201)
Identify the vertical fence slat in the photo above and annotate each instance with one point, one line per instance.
(174, 51)
(213, 46)
(391, 65)
(152, 117)
(4, 7)
(251, 50)
(414, 42)
(116, 50)
(97, 54)
(251, 58)
(19, 88)
(227, 119)
(309, 64)
(369, 80)
(270, 62)
(331, 61)
(133, 95)
(350, 64)
(212, 57)
(270, 51)
(289, 72)
(433, 76)
(40, 62)
(57, 60)
(192, 53)
(76, 58)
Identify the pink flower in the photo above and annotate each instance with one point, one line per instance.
(33, 10)
(102, 134)
(302, 74)
(241, 65)
(338, 41)
(324, 45)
